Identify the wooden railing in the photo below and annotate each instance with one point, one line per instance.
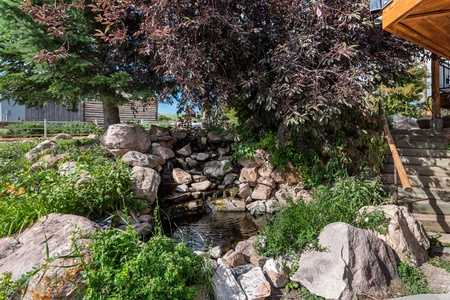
(397, 161)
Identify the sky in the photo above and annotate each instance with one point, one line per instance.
(164, 108)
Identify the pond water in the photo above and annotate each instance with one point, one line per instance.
(223, 229)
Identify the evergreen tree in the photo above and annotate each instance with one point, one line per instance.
(50, 53)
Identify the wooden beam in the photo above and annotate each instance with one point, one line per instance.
(417, 38)
(397, 10)
(435, 86)
(428, 15)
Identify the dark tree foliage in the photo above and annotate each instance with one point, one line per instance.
(301, 64)
(49, 52)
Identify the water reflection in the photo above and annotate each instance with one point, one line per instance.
(223, 229)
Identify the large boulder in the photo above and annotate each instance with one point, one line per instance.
(121, 138)
(353, 262)
(405, 234)
(146, 183)
(45, 147)
(59, 279)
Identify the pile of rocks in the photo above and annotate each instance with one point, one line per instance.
(192, 170)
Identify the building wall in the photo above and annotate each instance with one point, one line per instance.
(93, 111)
(54, 112)
(11, 112)
(87, 112)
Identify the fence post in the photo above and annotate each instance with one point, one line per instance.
(45, 128)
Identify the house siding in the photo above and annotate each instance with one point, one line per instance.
(54, 112)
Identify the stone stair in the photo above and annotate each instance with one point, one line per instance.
(427, 164)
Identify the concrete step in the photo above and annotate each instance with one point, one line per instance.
(421, 181)
(434, 222)
(419, 170)
(425, 194)
(435, 153)
(417, 132)
(421, 161)
(429, 206)
(433, 145)
(413, 138)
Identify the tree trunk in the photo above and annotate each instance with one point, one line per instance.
(110, 114)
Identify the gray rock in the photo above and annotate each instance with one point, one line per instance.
(159, 131)
(266, 169)
(135, 158)
(49, 161)
(201, 186)
(62, 136)
(27, 250)
(178, 134)
(229, 179)
(185, 151)
(277, 276)
(256, 208)
(227, 204)
(255, 284)
(146, 183)
(215, 170)
(202, 156)
(355, 262)
(225, 285)
(245, 191)
(214, 136)
(249, 174)
(233, 259)
(261, 192)
(45, 147)
(158, 159)
(164, 152)
(182, 188)
(121, 138)
(181, 177)
(191, 162)
(405, 234)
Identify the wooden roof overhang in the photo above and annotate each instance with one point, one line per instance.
(423, 22)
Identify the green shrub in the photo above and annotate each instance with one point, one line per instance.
(124, 268)
(297, 225)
